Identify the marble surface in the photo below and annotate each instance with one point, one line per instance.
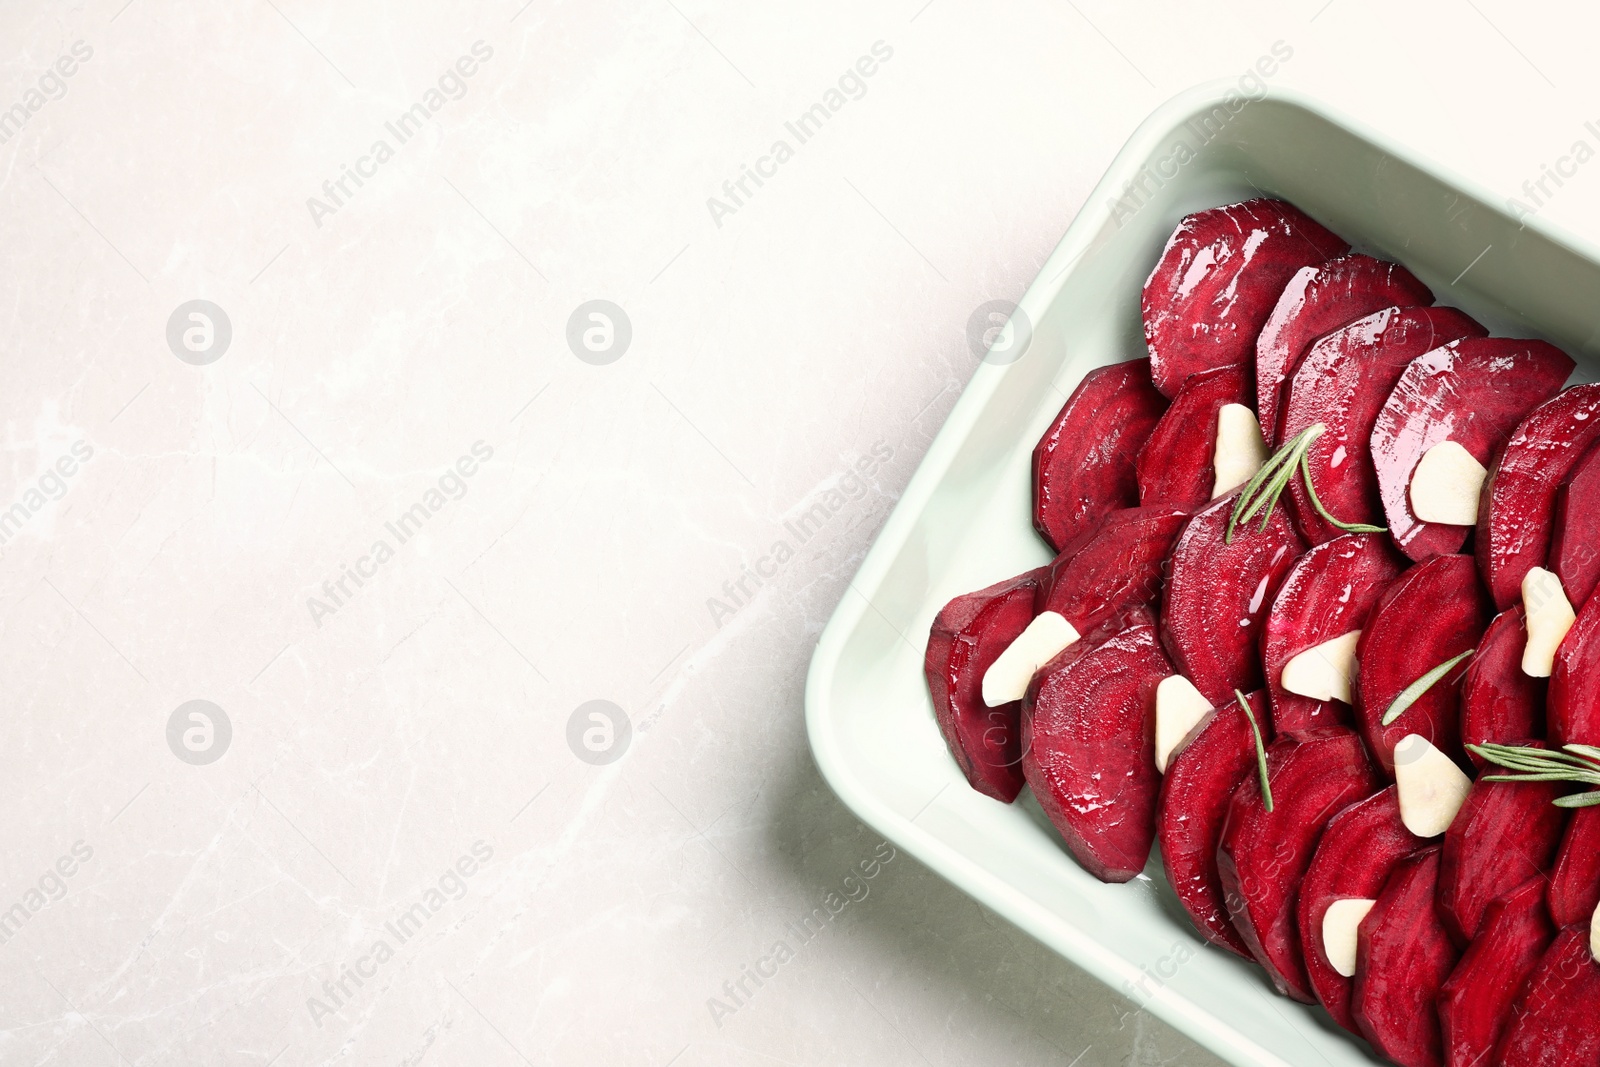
(372, 510)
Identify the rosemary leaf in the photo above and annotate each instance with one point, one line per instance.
(1579, 764)
(1311, 491)
(1578, 800)
(1261, 750)
(1413, 692)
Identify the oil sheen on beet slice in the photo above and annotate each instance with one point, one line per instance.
(1319, 300)
(1177, 464)
(1475, 1002)
(1083, 466)
(1218, 280)
(1575, 878)
(1403, 957)
(1553, 1022)
(1575, 529)
(1115, 570)
(1472, 392)
(1342, 383)
(1500, 703)
(1573, 708)
(1359, 849)
(1201, 777)
(1517, 509)
(1505, 833)
(968, 635)
(1434, 612)
(1263, 856)
(1328, 592)
(1089, 749)
(1218, 595)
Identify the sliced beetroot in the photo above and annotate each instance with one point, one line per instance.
(1575, 878)
(1115, 570)
(1263, 855)
(1218, 280)
(1504, 834)
(1403, 957)
(1319, 300)
(1359, 849)
(1472, 392)
(1202, 775)
(1342, 383)
(1328, 592)
(1573, 708)
(1518, 504)
(1499, 703)
(1475, 1002)
(1552, 1023)
(1177, 463)
(1218, 595)
(968, 635)
(1083, 466)
(1575, 529)
(1089, 749)
(1434, 612)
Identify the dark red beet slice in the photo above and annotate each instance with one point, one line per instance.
(1575, 530)
(1553, 1023)
(1505, 833)
(1089, 749)
(1359, 849)
(1116, 569)
(1319, 300)
(1328, 592)
(1342, 383)
(1177, 464)
(1499, 703)
(1519, 499)
(1263, 856)
(1218, 279)
(1472, 392)
(1433, 612)
(1218, 595)
(1476, 1001)
(1403, 956)
(968, 635)
(1201, 777)
(1575, 879)
(1083, 466)
(1574, 705)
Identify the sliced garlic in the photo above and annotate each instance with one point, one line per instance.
(1594, 935)
(1240, 449)
(1179, 709)
(1446, 485)
(1432, 788)
(1008, 676)
(1325, 671)
(1550, 616)
(1339, 925)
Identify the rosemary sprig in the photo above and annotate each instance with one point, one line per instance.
(1261, 750)
(1573, 763)
(1268, 484)
(1413, 692)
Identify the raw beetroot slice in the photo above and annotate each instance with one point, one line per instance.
(1328, 592)
(1505, 833)
(1472, 392)
(1218, 594)
(1263, 855)
(1083, 466)
(1202, 775)
(1476, 1000)
(1217, 281)
(1575, 879)
(1434, 612)
(968, 635)
(1177, 463)
(1574, 705)
(1342, 383)
(1576, 529)
(1089, 749)
(1403, 956)
(1518, 503)
(1499, 703)
(1552, 1023)
(1359, 849)
(1319, 300)
(1097, 581)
